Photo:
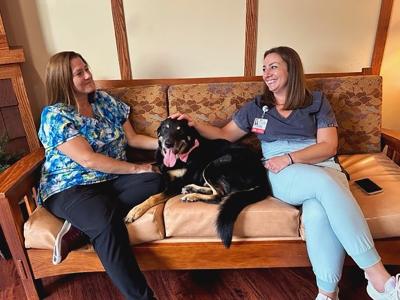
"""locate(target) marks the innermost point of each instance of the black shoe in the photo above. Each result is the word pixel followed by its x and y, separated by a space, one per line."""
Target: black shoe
pixel 69 238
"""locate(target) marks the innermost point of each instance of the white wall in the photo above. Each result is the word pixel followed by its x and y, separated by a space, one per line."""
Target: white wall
pixel 191 38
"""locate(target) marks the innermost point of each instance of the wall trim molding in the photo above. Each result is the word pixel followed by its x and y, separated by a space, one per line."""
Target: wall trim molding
pixel 381 36
pixel 121 38
pixel 250 45
pixel 116 83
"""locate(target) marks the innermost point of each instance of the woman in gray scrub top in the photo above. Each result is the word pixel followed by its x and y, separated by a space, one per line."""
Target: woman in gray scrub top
pixel 298 133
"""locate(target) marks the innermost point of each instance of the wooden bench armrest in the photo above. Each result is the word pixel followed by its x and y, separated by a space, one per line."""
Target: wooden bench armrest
pixel 17 184
pixel 17 174
pixel 391 139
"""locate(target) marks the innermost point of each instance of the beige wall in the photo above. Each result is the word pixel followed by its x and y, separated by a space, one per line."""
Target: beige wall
pixel 391 72
pixel 330 36
pixel 186 38
pixel 190 38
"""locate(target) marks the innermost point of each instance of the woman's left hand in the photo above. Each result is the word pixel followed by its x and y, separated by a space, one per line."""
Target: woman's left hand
pixel 277 163
pixel 145 168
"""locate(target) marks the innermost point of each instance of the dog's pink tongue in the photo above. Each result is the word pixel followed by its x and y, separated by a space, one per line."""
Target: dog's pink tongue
pixel 169 158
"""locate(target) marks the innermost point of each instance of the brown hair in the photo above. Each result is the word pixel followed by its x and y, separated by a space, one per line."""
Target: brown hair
pixel 297 93
pixel 58 78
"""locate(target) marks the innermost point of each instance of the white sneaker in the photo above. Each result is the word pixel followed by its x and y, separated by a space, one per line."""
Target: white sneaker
pixel 392 290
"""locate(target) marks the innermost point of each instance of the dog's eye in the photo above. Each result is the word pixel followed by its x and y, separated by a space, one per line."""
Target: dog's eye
pixel 167 125
pixel 178 128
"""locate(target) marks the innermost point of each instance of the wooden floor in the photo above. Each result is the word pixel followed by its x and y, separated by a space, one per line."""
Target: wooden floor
pixel 276 284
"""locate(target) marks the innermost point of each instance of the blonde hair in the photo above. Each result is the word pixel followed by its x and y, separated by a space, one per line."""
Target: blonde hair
pixel 58 78
pixel 297 93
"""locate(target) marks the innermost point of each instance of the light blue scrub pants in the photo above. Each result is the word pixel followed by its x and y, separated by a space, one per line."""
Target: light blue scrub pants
pixel 334 223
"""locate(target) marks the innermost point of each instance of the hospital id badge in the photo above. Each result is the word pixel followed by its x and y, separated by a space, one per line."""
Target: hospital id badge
pixel 259 125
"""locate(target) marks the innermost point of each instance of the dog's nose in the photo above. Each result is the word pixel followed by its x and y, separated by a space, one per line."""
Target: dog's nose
pixel 169 143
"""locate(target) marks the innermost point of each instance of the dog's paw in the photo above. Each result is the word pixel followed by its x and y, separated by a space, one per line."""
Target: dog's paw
pixel 135 213
pixel 190 198
pixel 187 189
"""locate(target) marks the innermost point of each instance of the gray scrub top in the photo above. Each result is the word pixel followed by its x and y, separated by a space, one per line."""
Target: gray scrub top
pixel 301 124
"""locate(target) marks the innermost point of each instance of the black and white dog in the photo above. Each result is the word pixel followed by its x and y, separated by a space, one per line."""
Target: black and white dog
pixel 213 171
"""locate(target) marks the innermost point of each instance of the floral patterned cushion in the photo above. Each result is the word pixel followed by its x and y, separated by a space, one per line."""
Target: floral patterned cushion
pixel 214 103
pixel 356 101
pixel 148 106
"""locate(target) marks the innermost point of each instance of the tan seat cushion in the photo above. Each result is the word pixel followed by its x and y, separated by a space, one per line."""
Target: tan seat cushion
pixel 42 227
pixel 382 211
pixel 267 218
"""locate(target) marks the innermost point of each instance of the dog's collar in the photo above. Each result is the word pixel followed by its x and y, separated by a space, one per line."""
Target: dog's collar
pixel 184 156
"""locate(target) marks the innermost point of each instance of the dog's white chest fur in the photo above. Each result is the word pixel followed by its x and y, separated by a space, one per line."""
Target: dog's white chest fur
pixel 176 173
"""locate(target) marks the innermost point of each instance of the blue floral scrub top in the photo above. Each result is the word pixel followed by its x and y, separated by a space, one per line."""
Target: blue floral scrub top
pixel 61 122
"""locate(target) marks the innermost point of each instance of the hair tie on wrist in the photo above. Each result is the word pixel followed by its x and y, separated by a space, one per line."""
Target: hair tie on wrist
pixel 291 159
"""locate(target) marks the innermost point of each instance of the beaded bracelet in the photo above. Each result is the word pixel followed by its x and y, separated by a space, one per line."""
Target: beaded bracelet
pixel 291 159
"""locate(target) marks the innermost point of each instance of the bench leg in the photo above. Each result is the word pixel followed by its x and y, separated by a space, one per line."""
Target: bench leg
pixel 31 286
pixel 15 240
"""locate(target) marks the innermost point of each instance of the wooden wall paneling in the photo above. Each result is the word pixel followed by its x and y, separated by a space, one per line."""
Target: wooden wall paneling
pixel 3 41
pixel 13 122
pixel 17 140
pixel 251 38
pixel 25 109
pixel 7 96
pixel 381 36
pixel 10 119
pixel 3 37
pixel 121 39
pixel 13 72
pixel 10 56
pixel 18 145
pixel 2 125
pixel 11 76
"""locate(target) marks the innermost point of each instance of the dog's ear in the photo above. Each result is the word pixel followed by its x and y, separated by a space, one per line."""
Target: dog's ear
pixel 159 128
pixel 183 123
pixel 193 132
pixel 189 129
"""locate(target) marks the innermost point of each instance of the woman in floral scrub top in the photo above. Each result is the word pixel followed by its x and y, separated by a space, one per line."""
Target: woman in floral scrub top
pixel 86 179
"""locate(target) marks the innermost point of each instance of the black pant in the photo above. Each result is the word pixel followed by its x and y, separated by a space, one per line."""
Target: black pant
pixel 98 211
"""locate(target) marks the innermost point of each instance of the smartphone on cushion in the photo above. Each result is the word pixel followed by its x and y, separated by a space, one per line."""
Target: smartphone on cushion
pixel 368 186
